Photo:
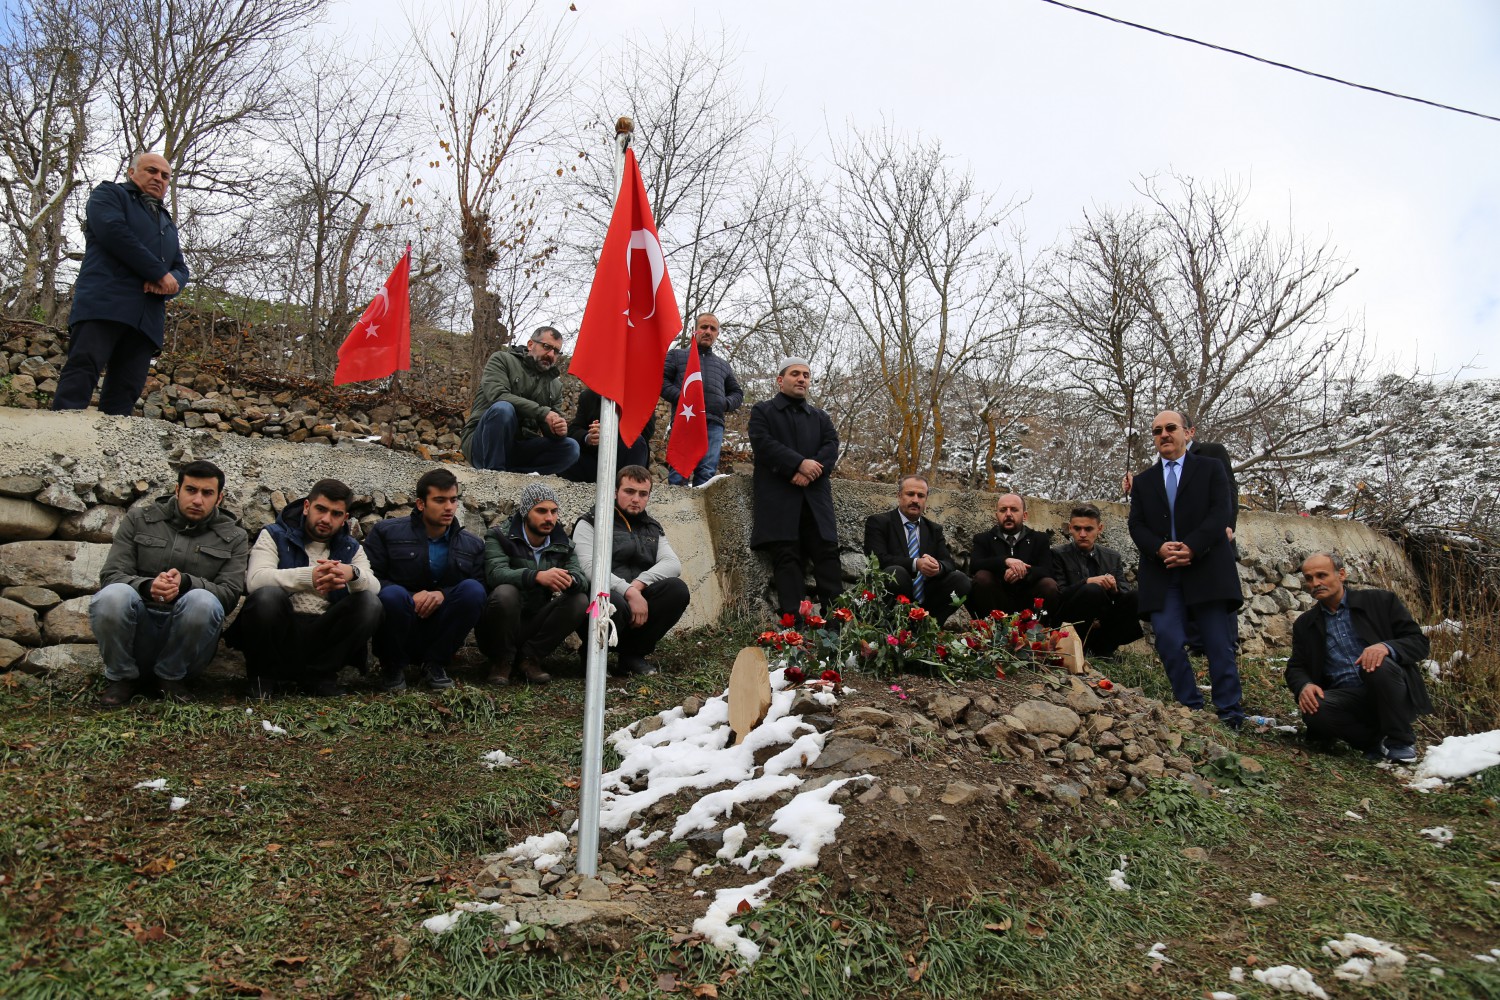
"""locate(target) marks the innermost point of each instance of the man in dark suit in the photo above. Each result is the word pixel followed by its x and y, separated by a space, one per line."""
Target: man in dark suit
pixel 1093 593
pixel 911 547
pixel 1354 664
pixel 795 448
pixel 1179 513
pixel 1011 564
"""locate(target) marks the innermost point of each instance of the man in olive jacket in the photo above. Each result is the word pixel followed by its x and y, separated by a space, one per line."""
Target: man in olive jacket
pixel 132 264
pixel 1354 668
pixel 514 425
pixel 538 591
pixel 176 567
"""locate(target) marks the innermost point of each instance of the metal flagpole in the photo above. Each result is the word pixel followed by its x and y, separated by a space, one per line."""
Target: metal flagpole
pixel 600 610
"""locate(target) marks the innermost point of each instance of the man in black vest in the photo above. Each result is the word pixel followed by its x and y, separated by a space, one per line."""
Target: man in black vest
pixel 795 448
pixel 313 599
pixel 1011 564
pixel 1355 664
pixel 645 583
pixel 1093 593
pixel 911 547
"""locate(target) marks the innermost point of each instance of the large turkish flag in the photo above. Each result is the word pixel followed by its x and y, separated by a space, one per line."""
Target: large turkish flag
pixel 380 342
pixel 631 316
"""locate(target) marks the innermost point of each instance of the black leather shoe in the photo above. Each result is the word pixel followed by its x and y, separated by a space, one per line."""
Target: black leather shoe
pixel 176 691
pixel 637 665
pixel 117 693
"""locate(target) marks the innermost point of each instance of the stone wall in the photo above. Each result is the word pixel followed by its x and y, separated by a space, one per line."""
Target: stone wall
pixel 66 480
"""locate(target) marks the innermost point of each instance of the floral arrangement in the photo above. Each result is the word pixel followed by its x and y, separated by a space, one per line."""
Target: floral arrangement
pixel 884 637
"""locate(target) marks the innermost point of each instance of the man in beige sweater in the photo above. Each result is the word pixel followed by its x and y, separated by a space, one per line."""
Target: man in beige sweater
pixel 312 603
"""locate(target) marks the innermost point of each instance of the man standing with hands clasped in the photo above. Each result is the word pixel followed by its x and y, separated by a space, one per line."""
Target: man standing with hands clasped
pixel 1179 510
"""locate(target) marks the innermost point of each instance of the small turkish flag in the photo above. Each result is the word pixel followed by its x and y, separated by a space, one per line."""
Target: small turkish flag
pixel 380 342
pixel 689 441
pixel 631 317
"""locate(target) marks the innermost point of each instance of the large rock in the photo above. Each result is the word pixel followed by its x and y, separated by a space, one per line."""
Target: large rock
pixel 68 663
pixel 69 568
pixel 1081 698
pixel 97 524
pixel 18 622
pixel 26 519
pixel 59 496
pixel 24 487
pixel 10 653
pixel 853 755
pixel 33 597
pixel 946 707
pixel 69 622
pixel 1045 717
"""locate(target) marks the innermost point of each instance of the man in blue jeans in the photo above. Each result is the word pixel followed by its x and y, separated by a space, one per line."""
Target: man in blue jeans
pixel 175 568
pixel 431 574
pixel 514 425
pixel 721 394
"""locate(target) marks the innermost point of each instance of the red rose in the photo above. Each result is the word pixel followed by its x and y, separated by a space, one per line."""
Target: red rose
pixel 942 652
pixel 917 613
pixel 1105 684
pixel 767 638
pixel 832 677
pixel 867 595
pixel 902 599
pixel 1037 604
pixel 997 615
pixel 805 608
pixel 815 621
pixel 794 675
pixel 788 620
pixel 792 638
pixel 971 642
pixel 843 614
pixel 999 674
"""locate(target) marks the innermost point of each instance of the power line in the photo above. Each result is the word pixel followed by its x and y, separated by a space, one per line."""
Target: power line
pixel 1270 62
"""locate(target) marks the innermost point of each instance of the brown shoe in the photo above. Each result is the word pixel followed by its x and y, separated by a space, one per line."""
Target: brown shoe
pixel 500 673
pixel 117 693
pixel 534 672
pixel 176 691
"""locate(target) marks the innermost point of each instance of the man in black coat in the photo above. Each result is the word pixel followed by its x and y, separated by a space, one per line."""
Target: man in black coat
pixel 1093 593
pixel 132 264
pixel 1354 668
pixel 911 546
pixel 1179 513
pixel 721 394
pixel 584 428
pixel 1011 564
pixel 795 449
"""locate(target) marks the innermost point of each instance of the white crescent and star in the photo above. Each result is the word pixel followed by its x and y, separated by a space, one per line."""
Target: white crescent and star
pixel 644 239
pixel 382 301
pixel 687 411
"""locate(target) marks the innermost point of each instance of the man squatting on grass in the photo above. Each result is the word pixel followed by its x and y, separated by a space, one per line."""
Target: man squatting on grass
pixel 313 599
pixel 175 568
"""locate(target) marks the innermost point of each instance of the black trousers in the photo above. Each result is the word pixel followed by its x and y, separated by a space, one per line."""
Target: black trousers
pixel 666 600
pixel 281 644
pixel 937 591
pixel 504 636
pixel 1106 621
pixel 991 592
pixel 122 352
pixel 788 561
pixel 1360 715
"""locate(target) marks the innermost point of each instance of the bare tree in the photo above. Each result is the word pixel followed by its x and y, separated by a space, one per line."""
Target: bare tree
pixel 500 74
pixel 50 64
pixel 701 139
pixel 910 250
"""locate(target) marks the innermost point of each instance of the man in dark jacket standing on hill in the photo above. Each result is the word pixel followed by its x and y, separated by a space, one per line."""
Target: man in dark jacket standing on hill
pixel 431 574
pixel 175 568
pixel 721 395
pixel 539 592
pixel 1354 668
pixel 645 584
pixel 132 264
pixel 514 424
pixel 795 448
pixel 313 596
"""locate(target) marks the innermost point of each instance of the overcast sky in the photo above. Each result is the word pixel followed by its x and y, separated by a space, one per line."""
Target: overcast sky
pixel 1068 110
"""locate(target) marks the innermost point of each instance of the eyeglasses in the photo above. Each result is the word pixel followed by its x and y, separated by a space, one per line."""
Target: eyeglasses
pixel 1157 432
pixel 549 348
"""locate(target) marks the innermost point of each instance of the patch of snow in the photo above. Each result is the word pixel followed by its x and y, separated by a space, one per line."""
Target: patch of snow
pixel 704 813
pixel 716 928
pixel 637 841
pixel 1156 954
pixel 1487 958
pixel 177 803
pixel 497 758
pixel 1236 975
pixel 734 839
pixel 1350 814
pixel 1261 901
pixel 272 728
pixel 1384 963
pixel 1425 785
pixel 1440 834
pixel 1433 668
pixel 1445 627
pixel 1223 995
pixel 1117 877
pixel 442 923
pixel 155 784
pixel 543 850
pixel 1460 756
pixel 1290 979
pixel 1285 729
pixel 703 870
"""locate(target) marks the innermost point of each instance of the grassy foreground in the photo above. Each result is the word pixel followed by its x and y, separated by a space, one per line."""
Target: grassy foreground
pixel 302 864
